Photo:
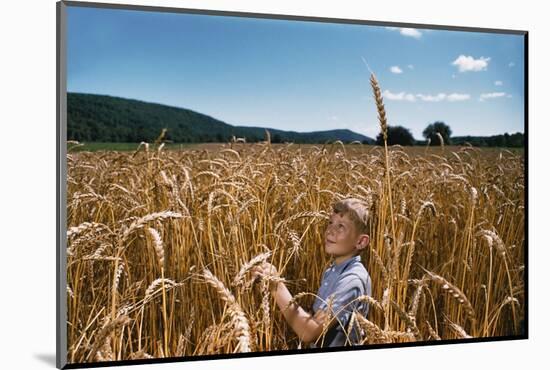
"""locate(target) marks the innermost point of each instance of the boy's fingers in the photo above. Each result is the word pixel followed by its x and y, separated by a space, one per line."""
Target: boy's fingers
pixel 257 271
pixel 268 268
pixel 264 269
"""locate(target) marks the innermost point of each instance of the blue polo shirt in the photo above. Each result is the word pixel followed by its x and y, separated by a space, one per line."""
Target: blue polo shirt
pixel 345 281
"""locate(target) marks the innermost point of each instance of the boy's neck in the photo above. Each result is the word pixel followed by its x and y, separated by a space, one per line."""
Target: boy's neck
pixel 338 260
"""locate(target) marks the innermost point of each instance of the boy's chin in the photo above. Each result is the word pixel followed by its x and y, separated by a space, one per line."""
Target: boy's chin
pixel 330 248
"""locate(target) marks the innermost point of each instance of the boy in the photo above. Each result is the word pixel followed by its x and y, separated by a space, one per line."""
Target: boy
pixel 345 279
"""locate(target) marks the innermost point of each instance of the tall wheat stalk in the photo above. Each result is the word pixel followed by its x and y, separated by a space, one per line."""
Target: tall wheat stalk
pixel 384 128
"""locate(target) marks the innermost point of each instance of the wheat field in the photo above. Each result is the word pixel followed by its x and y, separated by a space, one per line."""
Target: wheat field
pixel 160 244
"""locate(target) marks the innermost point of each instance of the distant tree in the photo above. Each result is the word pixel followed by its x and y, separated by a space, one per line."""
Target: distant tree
pixel 430 132
pixel 516 140
pixel 141 134
pixel 95 131
pixel 396 135
pixel 499 141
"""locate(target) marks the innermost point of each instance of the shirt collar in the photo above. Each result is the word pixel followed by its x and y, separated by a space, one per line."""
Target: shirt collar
pixel 342 265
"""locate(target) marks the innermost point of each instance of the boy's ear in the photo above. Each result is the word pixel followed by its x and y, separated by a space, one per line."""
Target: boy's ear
pixel 363 241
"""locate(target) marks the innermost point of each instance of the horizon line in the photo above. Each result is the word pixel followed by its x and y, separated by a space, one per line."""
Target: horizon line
pixel 273 128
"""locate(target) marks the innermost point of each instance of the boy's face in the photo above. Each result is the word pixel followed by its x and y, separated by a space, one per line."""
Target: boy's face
pixel 341 237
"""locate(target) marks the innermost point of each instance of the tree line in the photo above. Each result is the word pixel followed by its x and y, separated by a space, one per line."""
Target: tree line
pixel 438 132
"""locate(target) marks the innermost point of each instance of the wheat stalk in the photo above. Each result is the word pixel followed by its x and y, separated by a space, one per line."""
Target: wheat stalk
pixel 259 259
pixel 454 291
pixel 140 223
pixel 238 317
pixel 157 244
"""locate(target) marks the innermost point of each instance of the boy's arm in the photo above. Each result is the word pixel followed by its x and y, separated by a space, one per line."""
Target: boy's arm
pixel 307 327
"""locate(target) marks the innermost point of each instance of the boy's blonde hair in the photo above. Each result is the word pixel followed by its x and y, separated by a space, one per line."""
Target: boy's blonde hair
pixel 357 210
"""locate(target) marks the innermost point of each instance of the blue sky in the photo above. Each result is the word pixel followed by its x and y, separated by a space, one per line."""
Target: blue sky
pixel 301 76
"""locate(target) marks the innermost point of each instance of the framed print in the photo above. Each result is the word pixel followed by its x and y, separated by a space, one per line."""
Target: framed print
pixel 239 184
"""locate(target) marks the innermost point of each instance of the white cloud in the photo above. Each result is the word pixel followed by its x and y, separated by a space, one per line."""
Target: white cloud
pixel 410 66
pixel 404 96
pixel 468 63
pixel 492 95
pixel 498 83
pixel 334 118
pixel 458 97
pixel 396 69
pixel 432 98
pixel 410 32
pixel 398 96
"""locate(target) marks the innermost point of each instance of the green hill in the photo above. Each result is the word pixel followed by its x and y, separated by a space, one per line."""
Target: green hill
pixel 103 118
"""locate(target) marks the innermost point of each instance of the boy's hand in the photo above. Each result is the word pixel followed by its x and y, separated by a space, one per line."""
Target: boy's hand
pixel 265 269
